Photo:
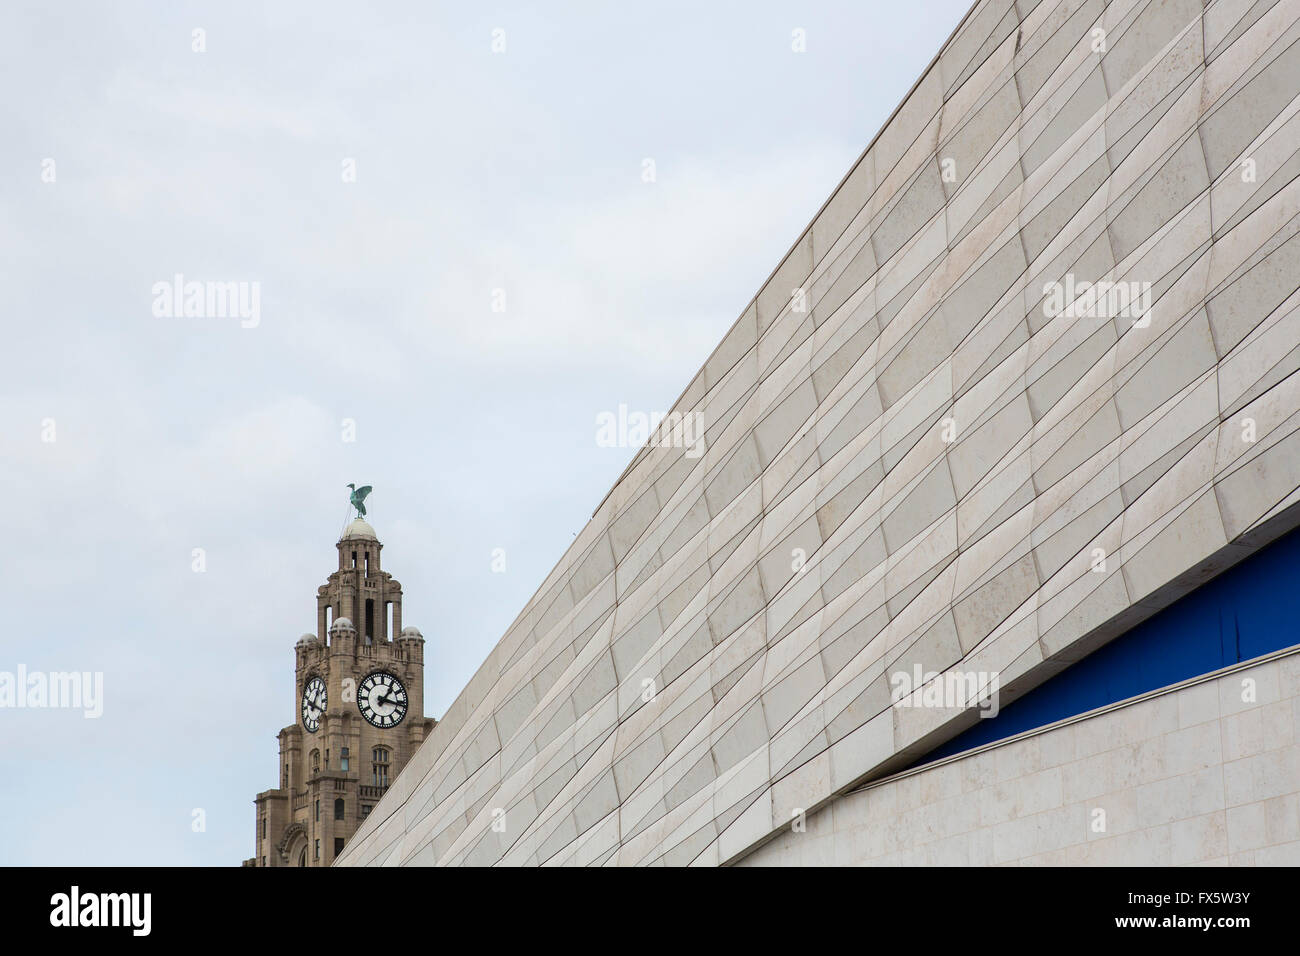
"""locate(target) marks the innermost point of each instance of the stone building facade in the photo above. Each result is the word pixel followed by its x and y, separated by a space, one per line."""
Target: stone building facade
pixel 1021 399
pixel 359 697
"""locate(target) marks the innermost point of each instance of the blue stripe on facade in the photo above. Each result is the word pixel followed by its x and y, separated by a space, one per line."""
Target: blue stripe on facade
pixel 1250 610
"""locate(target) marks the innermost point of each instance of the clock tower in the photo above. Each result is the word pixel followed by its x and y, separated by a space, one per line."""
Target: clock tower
pixel 359 701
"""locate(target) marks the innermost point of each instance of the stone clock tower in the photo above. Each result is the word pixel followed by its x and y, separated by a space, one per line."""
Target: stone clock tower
pixel 359 697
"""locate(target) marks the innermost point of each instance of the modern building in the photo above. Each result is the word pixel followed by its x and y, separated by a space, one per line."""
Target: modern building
pixel 359 697
pixel 986 555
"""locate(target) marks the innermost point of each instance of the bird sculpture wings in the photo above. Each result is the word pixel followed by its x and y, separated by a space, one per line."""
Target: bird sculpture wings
pixel 358 499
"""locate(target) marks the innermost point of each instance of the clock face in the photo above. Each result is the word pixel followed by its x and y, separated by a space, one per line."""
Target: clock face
pixel 313 704
pixel 382 700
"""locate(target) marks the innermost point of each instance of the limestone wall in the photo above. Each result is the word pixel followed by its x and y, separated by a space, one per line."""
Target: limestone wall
pixel 911 458
pixel 1205 774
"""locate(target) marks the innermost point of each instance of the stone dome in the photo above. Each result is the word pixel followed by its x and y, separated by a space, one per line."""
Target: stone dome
pixel 306 639
pixel 342 624
pixel 411 632
pixel 359 529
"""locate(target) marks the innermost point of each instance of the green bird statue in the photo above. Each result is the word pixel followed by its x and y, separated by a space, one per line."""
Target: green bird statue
pixel 358 498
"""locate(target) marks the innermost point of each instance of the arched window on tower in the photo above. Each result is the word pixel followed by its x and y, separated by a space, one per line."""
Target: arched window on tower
pixel 338 809
pixel 315 761
pixel 379 756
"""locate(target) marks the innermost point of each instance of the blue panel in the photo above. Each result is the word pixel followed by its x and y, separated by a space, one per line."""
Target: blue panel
pixel 1250 610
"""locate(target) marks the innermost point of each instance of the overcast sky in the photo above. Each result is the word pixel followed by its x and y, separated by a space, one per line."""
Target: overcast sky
pixel 128 439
